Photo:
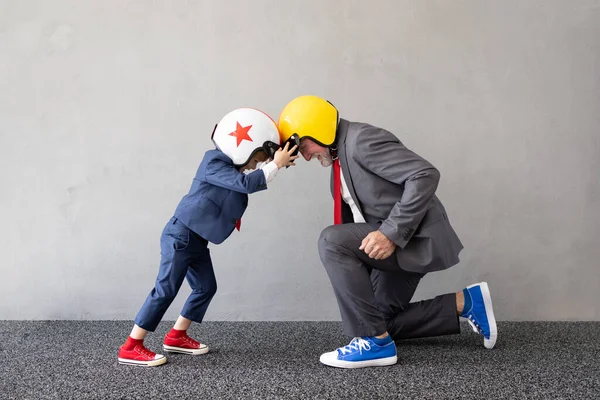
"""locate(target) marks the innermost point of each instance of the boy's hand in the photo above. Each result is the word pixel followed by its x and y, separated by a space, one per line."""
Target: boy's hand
pixel 284 158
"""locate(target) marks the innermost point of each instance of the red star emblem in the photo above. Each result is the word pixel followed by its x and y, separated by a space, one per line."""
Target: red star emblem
pixel 241 133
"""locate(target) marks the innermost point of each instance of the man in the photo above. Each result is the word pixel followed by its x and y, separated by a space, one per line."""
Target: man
pixel 390 230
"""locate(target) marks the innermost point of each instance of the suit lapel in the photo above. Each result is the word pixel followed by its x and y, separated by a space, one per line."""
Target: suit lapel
pixel 342 135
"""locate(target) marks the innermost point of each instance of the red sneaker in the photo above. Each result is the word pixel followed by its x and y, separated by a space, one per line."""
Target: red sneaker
pixel 141 356
pixel 183 344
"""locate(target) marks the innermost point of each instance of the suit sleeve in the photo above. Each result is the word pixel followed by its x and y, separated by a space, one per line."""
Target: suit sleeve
pixel 226 176
pixel 381 153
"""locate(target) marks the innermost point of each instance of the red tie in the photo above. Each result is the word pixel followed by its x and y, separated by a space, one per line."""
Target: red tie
pixel 337 196
pixel 238 224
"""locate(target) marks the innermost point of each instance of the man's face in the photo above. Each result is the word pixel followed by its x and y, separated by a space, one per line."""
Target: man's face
pixel 312 151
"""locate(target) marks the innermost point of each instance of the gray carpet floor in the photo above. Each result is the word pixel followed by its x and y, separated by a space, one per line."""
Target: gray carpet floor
pixel 261 360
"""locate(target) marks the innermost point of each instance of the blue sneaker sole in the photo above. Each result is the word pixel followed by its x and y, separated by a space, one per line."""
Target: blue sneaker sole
pixel 379 362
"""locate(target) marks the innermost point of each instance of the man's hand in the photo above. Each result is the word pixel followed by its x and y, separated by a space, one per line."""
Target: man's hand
pixel 377 246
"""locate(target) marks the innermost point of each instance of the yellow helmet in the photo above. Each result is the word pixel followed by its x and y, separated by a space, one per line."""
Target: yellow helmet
pixel 311 117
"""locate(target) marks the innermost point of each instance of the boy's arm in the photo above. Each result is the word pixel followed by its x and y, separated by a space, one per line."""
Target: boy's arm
pixel 226 176
pixel 282 158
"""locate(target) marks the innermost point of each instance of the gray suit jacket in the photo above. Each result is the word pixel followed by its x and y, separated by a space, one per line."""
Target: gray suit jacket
pixel 395 191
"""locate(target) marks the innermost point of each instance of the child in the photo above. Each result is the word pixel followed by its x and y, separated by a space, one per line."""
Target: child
pixel 208 213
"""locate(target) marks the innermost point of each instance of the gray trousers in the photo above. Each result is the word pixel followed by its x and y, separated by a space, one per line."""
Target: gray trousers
pixel 374 295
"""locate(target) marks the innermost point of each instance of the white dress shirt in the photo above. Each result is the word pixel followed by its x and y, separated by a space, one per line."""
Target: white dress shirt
pixel 350 201
pixel 270 170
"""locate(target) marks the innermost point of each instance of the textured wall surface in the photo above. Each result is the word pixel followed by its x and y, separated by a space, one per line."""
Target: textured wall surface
pixel 106 108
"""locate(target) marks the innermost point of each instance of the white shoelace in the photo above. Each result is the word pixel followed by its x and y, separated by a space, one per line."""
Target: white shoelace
pixel 474 326
pixel 357 343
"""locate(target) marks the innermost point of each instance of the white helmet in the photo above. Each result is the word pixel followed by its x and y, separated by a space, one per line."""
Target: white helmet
pixel 245 131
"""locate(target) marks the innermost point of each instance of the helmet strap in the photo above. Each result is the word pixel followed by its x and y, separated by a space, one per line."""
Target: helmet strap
pixel 333 151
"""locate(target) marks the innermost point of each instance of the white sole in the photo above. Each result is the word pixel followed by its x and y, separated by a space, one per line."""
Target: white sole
pixel 154 363
pixel 487 302
pixel 380 362
pixel 181 350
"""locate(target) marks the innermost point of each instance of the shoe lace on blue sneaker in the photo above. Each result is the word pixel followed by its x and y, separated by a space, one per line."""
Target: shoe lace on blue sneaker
pixel 474 325
pixel 357 344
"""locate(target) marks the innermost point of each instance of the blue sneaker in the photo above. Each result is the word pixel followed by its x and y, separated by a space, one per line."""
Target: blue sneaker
pixel 362 352
pixel 481 315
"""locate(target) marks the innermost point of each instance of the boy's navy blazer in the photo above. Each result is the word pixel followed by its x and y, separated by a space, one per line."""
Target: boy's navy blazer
pixel 218 197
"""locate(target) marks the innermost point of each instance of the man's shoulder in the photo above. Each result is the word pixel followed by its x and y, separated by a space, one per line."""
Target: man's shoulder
pixel 357 127
pixel 364 134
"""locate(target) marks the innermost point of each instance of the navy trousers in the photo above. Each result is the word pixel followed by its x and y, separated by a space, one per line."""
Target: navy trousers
pixel 184 254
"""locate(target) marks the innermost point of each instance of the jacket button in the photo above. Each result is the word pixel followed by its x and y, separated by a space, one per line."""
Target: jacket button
pixel 235 221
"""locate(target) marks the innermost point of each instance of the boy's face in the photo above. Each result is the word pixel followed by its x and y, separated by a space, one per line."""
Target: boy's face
pixel 259 157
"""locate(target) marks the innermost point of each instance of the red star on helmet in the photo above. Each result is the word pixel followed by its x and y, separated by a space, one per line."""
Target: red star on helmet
pixel 241 133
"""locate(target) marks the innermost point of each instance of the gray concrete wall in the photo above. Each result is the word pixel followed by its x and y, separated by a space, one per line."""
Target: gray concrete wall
pixel 106 108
